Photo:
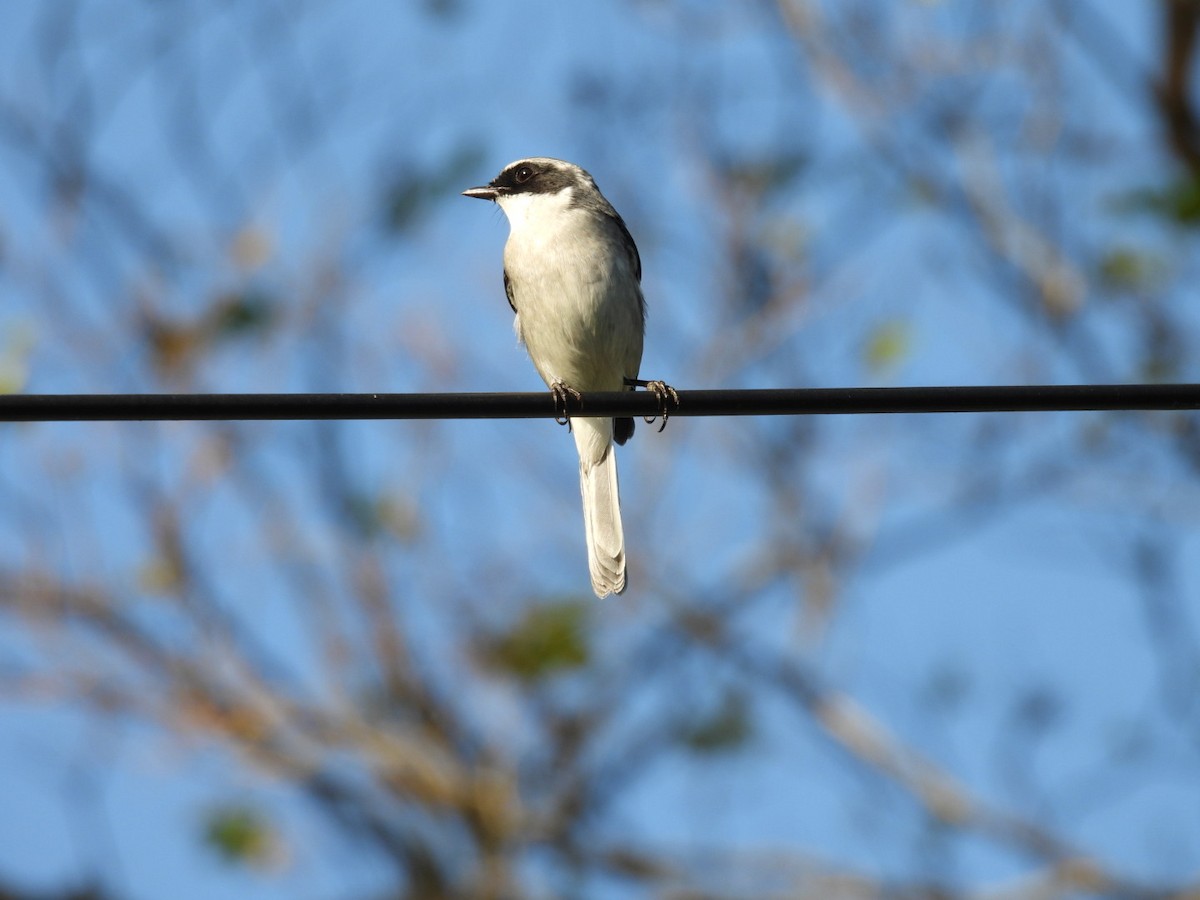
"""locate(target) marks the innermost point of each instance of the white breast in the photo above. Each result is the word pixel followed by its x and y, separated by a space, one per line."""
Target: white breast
pixel 577 298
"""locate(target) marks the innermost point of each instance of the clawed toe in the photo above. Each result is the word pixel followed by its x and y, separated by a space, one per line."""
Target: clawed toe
pixel 668 399
pixel 562 392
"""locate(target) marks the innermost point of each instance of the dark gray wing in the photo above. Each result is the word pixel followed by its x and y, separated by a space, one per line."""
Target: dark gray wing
pixel 508 291
pixel 630 246
pixel 634 257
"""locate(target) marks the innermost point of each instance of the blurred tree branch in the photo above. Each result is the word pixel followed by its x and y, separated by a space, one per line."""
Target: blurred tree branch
pixel 376 619
pixel 1175 89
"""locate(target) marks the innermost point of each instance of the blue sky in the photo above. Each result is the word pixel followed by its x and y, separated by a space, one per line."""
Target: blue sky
pixel 943 637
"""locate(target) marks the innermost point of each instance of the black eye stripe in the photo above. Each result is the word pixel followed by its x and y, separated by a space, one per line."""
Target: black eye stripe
pixel 534 178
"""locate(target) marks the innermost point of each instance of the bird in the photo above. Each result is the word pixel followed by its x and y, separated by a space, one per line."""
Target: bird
pixel 572 275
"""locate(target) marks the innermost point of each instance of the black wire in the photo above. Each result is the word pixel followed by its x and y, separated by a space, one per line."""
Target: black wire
pixel 784 402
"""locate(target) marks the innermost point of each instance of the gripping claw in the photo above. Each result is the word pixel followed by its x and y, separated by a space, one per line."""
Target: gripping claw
pixel 562 392
pixel 668 399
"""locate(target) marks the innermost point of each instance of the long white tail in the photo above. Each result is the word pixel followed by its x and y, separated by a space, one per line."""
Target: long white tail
pixel 601 505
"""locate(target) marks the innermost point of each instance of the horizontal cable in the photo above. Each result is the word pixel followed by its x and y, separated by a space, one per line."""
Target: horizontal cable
pixel 784 402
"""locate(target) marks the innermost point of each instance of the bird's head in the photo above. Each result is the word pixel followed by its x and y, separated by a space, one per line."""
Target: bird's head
pixel 534 184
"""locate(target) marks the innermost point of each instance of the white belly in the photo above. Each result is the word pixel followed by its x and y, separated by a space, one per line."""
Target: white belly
pixel 578 304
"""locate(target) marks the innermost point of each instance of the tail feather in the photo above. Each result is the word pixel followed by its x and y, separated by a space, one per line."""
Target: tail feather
pixel 602 513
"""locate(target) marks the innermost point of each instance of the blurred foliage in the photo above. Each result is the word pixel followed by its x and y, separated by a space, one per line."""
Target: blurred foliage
pixel 888 345
pixel 765 175
pixel 412 189
pixel 1164 350
pixel 17 342
pixel 241 313
pixel 1038 710
pixel 819 190
pixel 444 9
pixel 1177 203
pixel 376 516
pixel 724 729
pixel 1132 269
pixel 160 576
pixel 241 835
pixel 252 248
pixel 177 345
pixel 947 689
pixel 549 638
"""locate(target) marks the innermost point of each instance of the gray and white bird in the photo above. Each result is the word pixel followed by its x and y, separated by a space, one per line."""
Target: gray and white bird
pixel 573 277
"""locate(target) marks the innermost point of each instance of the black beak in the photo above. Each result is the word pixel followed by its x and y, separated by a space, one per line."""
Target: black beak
pixel 487 192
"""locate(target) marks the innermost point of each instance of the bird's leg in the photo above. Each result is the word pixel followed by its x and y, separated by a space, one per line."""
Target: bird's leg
pixel 561 391
pixel 668 398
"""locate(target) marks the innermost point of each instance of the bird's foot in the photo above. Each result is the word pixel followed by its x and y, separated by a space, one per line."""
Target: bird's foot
pixel 668 399
pixel 562 392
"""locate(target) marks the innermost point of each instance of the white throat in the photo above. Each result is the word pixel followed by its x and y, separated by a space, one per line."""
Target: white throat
pixel 538 212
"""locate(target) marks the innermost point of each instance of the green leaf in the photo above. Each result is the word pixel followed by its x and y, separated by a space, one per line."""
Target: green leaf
pixel 240 835
pixel 726 728
pixel 1130 269
pixel 887 345
pixel 242 313
pixel 1177 202
pixel 548 639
